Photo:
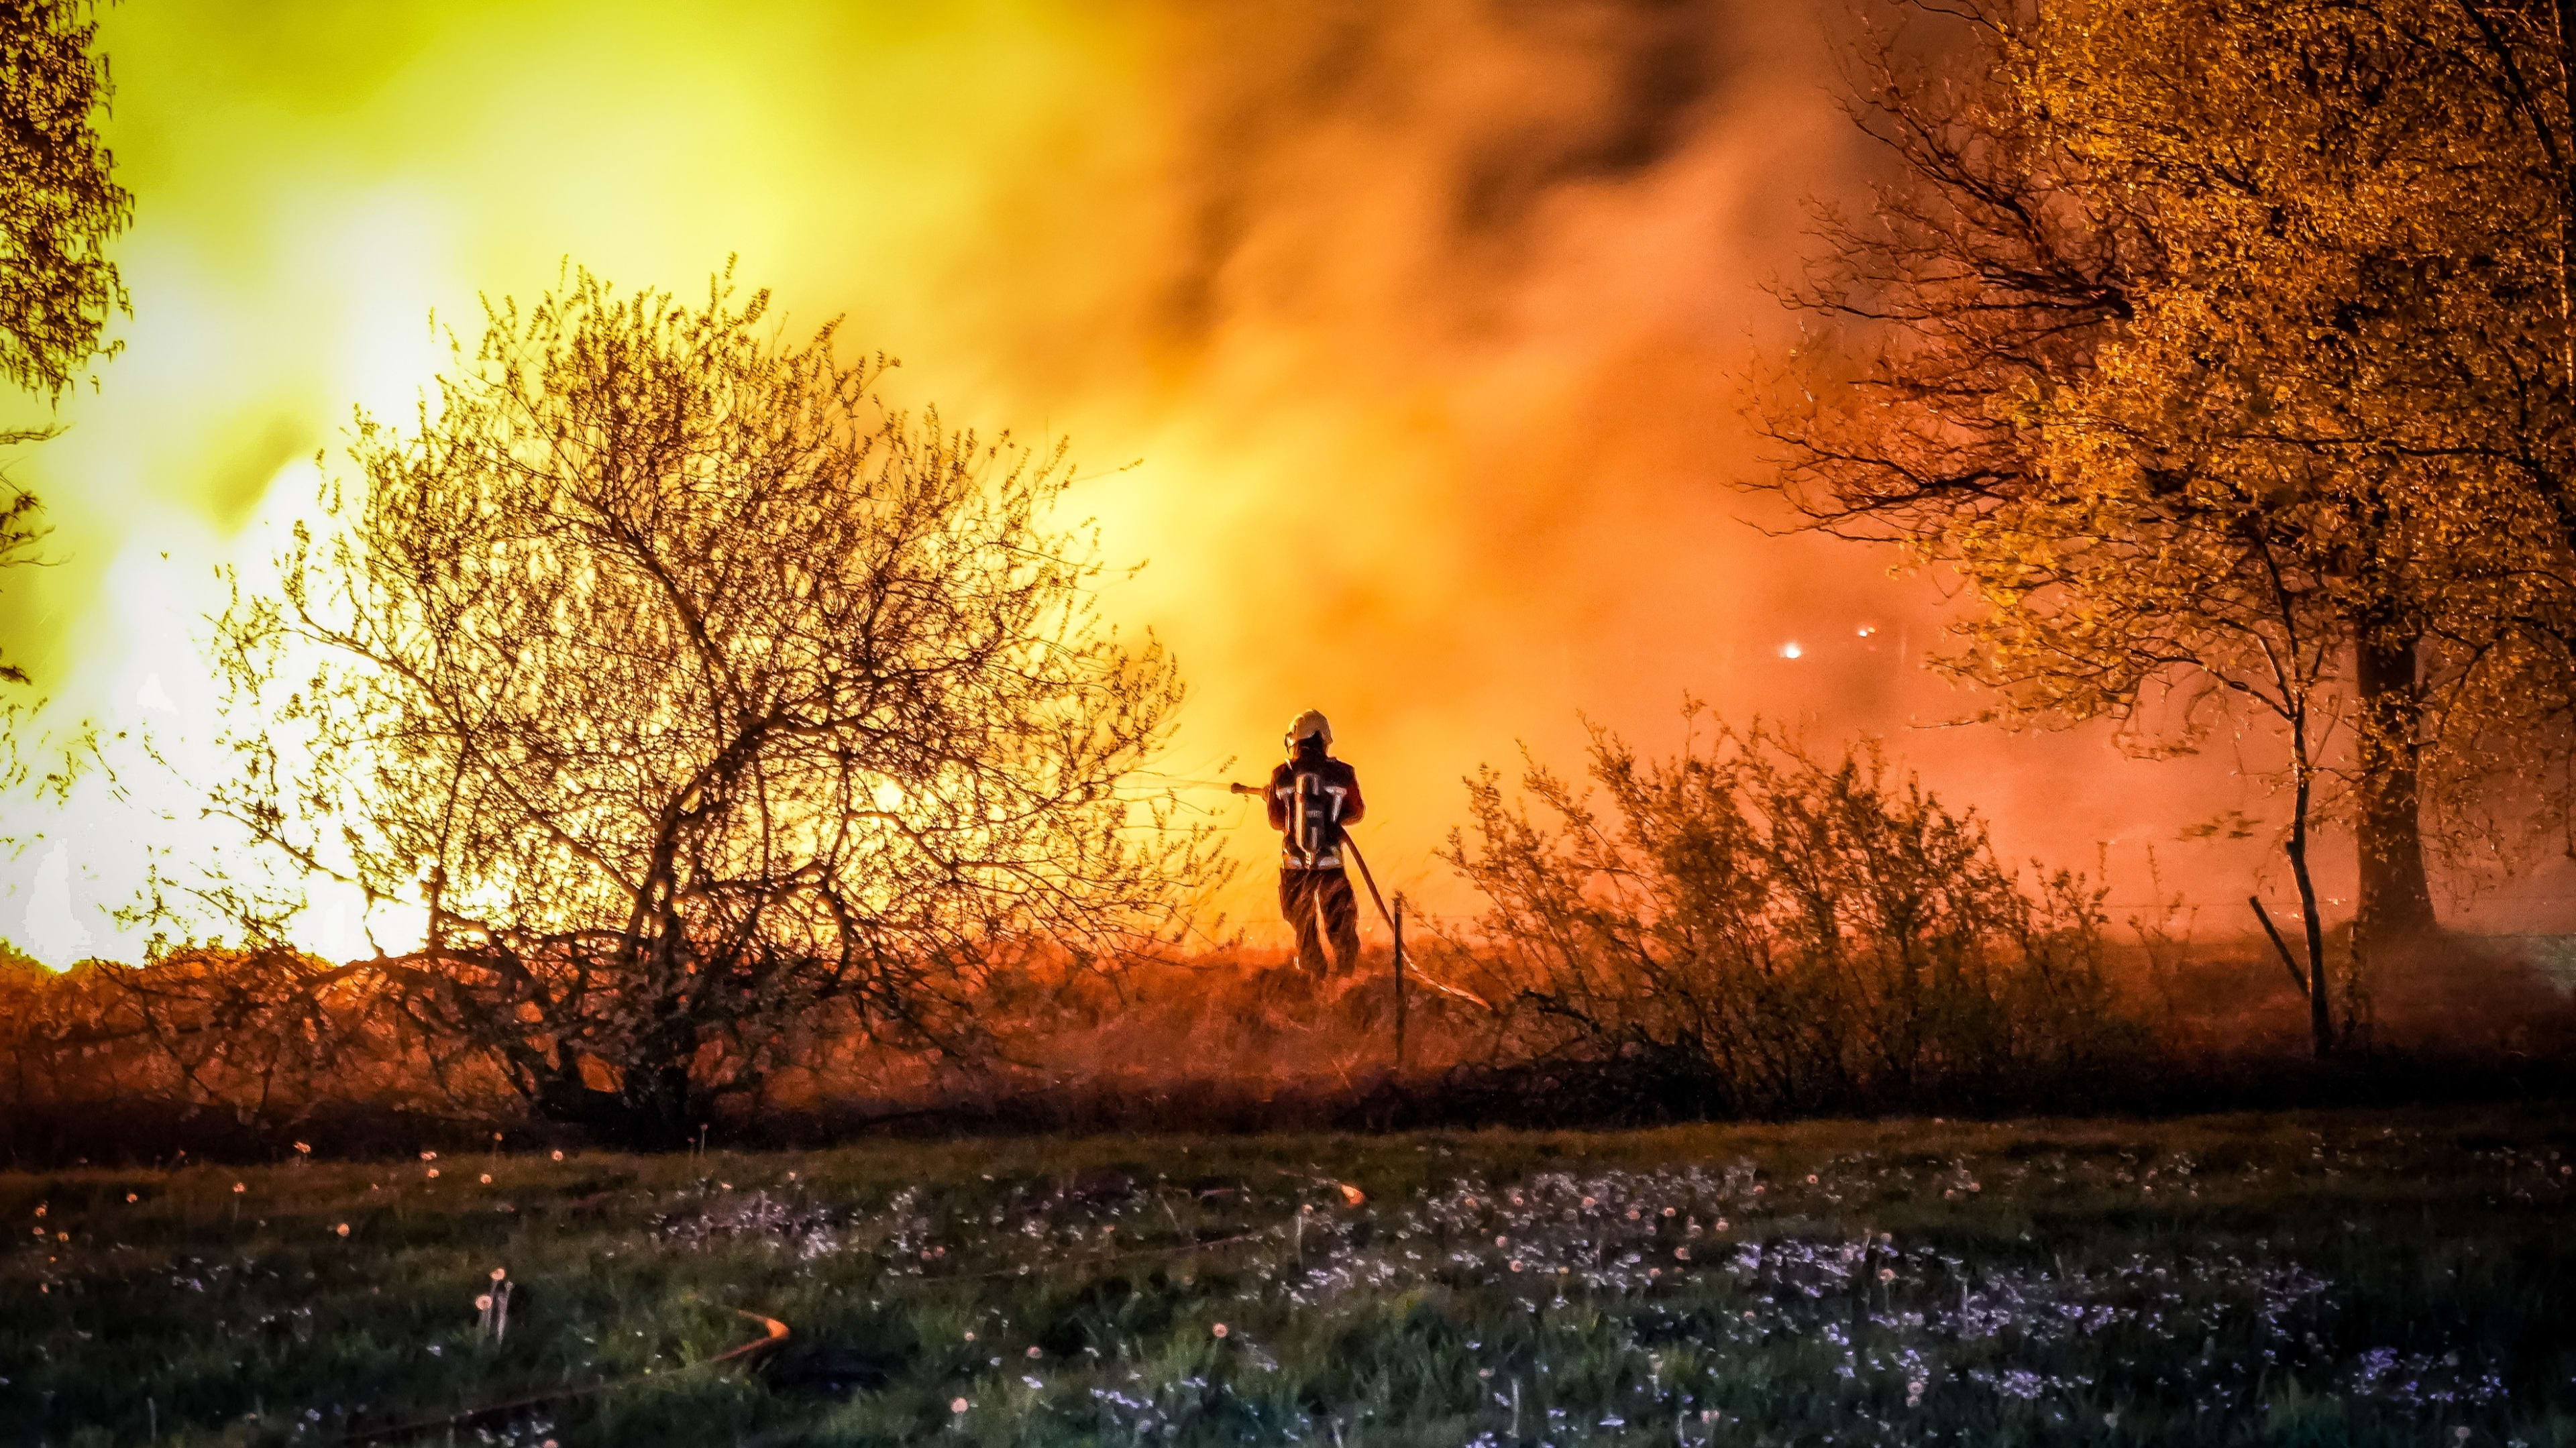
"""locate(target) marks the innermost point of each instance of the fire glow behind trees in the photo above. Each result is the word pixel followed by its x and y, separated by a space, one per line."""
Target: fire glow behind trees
pixel 1459 291
pixel 2222 349
pixel 696 692
pixel 1462 290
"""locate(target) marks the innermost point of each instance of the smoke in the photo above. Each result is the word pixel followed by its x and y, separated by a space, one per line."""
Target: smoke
pixel 1428 325
pixel 1404 344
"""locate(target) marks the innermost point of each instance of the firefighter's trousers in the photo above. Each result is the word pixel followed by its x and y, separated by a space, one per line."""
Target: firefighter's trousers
pixel 1319 903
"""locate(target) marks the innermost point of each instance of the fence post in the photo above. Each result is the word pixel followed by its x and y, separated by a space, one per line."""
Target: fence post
pixel 1399 982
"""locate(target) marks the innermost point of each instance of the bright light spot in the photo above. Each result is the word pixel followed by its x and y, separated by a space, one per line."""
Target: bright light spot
pixel 1790 650
pixel 1867 629
pixel 55 934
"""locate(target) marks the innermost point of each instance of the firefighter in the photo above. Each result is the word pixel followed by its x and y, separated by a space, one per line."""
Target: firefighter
pixel 1311 797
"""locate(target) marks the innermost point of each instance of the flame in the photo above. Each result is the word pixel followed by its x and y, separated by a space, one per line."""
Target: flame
pixel 1399 340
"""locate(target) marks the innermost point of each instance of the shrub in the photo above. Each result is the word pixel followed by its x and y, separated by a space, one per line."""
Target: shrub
pixel 1748 927
pixel 694 693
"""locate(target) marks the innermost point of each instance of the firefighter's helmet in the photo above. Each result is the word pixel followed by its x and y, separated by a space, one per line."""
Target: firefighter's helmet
pixel 1311 724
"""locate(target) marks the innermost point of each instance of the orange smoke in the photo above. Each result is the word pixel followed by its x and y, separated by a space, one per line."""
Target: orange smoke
pixel 1404 342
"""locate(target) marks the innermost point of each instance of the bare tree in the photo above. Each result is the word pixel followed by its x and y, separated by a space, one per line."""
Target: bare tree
pixel 19 534
pixel 59 206
pixel 60 203
pixel 690 689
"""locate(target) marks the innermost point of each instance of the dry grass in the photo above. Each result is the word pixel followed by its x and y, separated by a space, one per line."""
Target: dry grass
pixel 1243 1042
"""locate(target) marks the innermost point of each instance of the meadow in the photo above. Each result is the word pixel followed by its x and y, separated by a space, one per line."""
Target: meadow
pixel 2329 1277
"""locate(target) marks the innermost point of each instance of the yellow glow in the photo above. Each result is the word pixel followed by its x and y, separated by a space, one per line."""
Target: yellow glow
pixel 1426 389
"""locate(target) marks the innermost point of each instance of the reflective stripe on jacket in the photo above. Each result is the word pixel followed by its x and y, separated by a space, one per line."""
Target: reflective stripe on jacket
pixel 1311 797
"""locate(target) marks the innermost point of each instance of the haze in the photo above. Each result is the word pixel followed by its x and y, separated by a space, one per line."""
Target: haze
pixel 1404 344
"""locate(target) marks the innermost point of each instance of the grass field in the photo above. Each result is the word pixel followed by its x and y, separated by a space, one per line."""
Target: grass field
pixel 2396 1277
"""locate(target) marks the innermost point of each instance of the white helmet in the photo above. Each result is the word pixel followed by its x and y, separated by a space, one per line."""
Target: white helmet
pixel 1311 724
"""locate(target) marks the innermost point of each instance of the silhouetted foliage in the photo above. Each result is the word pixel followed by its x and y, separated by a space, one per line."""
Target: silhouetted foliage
pixel 2223 349
pixel 60 203
pixel 1750 928
pixel 691 690
pixel 19 532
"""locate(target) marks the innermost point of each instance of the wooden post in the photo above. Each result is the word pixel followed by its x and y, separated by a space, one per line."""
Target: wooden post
pixel 1399 983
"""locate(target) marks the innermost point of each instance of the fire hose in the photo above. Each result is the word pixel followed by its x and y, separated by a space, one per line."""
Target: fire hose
pixel 1394 929
pixel 773 1332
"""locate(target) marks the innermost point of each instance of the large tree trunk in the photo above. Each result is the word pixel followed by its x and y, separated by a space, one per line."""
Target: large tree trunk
pixel 2320 1012
pixel 2396 904
pixel 656 1108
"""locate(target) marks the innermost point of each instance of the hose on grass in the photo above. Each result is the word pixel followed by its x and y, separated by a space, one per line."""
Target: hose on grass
pixel 773 1333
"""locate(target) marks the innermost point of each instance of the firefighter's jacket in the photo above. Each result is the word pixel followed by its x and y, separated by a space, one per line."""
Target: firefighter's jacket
pixel 1311 797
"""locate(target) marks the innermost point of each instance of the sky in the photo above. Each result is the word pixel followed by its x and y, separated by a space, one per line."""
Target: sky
pixel 1404 345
